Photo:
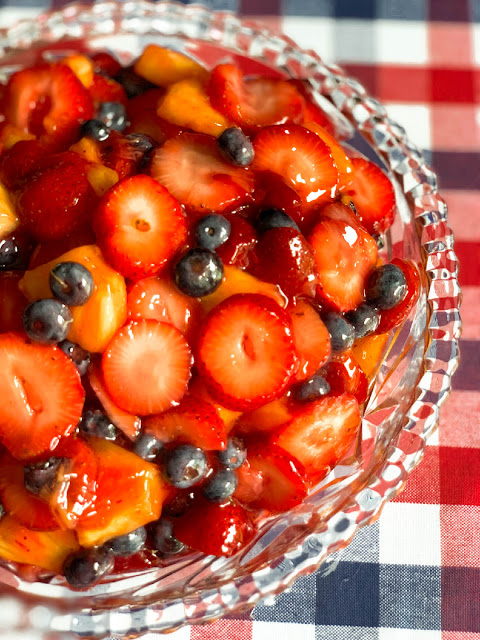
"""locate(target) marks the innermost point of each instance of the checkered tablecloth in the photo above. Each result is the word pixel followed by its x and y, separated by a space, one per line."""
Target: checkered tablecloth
pixel 415 574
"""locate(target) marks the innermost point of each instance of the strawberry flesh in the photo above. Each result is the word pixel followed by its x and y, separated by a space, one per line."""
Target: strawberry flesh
pixel 344 375
pixel 312 340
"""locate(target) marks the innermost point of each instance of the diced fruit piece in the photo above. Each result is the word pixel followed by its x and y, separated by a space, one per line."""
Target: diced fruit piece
pixel 254 101
pixel 125 154
pixel 285 258
pixel 198 273
pixel 342 161
pixel 391 318
pixel 88 149
pixel 94 323
pixel 273 479
pixel 128 423
pixel 8 216
pixel 19 161
pixel 300 157
pixel 57 199
pixel 215 529
pixel 82 67
pixel 344 375
pixel 184 466
pixel 105 89
pixel 266 418
pixel 273 193
pixel 143 118
pixel 373 195
pixel 139 227
pixel 44 549
pixel 236 147
pixel 342 211
pixel 13 302
pixel 165 66
pixel 312 112
pixel 311 337
pixel 191 167
pixel 130 493
pixel 193 421
pixel 238 248
pixel 101 178
pixel 10 135
pixel 48 101
pixel 105 63
pixel 146 367
pixel 27 508
pixel 321 433
pixel 42 396
pixel 198 389
pixel 368 352
pixel 345 255
pixel 186 105
pixel 237 281
pixel 246 352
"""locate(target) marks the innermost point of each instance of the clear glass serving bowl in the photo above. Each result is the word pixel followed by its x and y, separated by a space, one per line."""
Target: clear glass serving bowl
pixel 413 379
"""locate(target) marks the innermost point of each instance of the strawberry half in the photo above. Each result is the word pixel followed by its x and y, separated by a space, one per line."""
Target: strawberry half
pixel 391 318
pixel 255 101
pixel 246 352
pixel 42 396
pixel 19 161
pixel 214 529
pixel 372 194
pixel 345 254
pixel 194 421
pixel 238 249
pixel 146 367
pixel 345 375
pixel 139 226
pixel 312 340
pixel 104 89
pixel 121 154
pixel 321 433
pixel 191 167
pixel 48 101
pixel 300 157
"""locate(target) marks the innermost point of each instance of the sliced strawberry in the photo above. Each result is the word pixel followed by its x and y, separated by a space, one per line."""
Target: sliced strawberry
pixel 255 101
pixel 19 161
pixel 198 389
pixel 42 396
pixel 58 199
pixel 143 118
pixel 191 168
pixel 285 258
pixel 139 226
pixel 121 154
pixel 104 89
pixel 342 161
pixel 273 479
pixel 48 101
pixel 194 421
pixel 372 194
pixel 300 157
pixel 344 375
pixel 246 352
pixel 342 212
pixel 237 250
pixel 321 433
pixel 26 507
pixel 105 63
pixel 146 367
pixel 272 192
pixel 393 317
pixel 215 529
pixel 312 112
pixel 159 299
pixel 345 254
pixel 311 337
pixel 13 302
pixel 128 423
pixel 265 419
pixel 47 251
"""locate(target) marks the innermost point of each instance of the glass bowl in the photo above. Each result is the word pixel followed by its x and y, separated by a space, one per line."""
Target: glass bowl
pixel 412 382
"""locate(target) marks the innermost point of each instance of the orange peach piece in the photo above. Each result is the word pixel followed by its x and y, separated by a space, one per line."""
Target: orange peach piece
pixel 82 67
pixel 8 217
pixel 368 352
pixel 130 494
pixel 88 149
pixel 10 135
pixel 96 322
pixel 266 418
pixel 198 389
pixel 343 162
pixel 101 178
pixel 163 66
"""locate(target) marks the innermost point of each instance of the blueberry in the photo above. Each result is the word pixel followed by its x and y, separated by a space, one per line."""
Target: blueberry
pixel 311 389
pixel 163 539
pixel 234 455
pixel 147 446
pixel 273 218
pixel 71 283
pixel 386 287
pixel 212 231
pixel 184 466
pixel 179 504
pixel 47 321
pixel 113 114
pixel 87 566
pixel 94 129
pixel 96 423
pixel 140 142
pixel 133 84
pixel 128 544
pixel 220 485
pixel 199 272
pixel 2 510
pixel 41 477
pixel 8 253
pixel 364 319
pixel 236 147
pixel 342 334
pixel 380 240
pixel 79 356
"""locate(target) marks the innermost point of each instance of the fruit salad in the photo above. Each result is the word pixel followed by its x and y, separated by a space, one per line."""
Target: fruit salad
pixel 193 307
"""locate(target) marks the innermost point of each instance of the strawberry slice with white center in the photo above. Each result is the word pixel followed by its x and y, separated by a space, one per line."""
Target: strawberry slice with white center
pixel 345 254
pixel 139 226
pixel 254 101
pixel 191 167
pixel 146 367
pixel 301 157
pixel 42 396
pixel 372 194
pixel 246 353
pixel 312 340
pixel 321 433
